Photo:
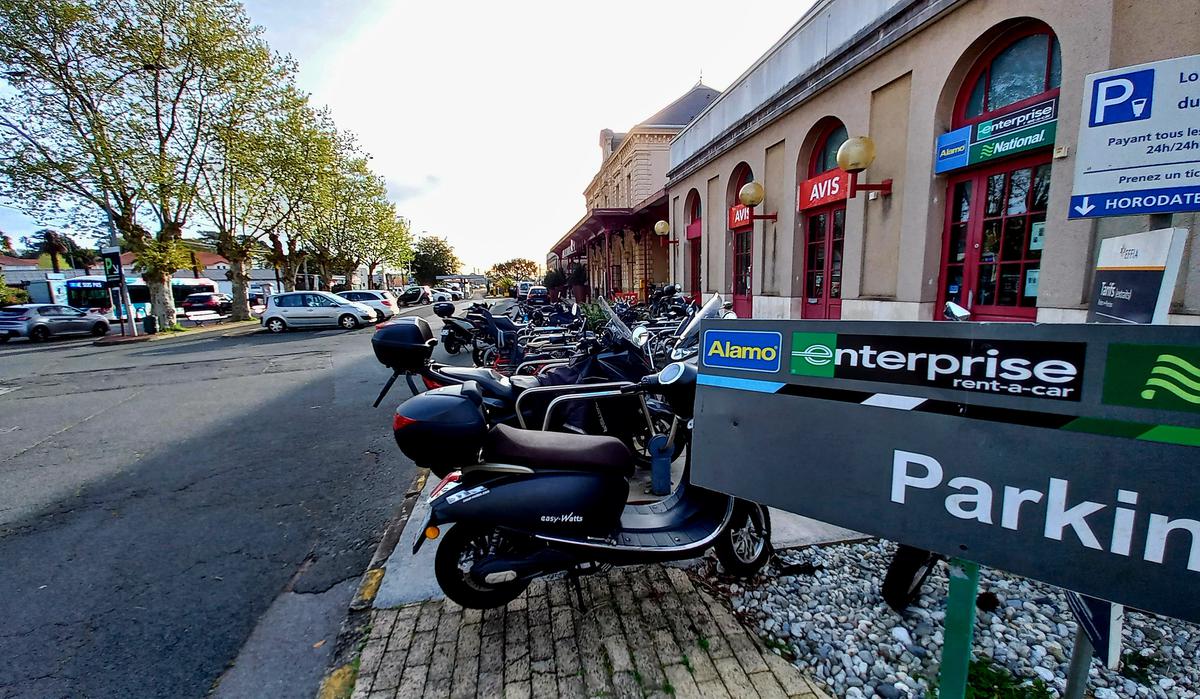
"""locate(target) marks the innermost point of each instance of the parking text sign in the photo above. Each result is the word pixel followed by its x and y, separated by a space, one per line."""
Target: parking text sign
pixel 1139 141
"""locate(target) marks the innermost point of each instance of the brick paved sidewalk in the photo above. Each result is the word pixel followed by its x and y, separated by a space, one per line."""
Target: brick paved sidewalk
pixel 647 632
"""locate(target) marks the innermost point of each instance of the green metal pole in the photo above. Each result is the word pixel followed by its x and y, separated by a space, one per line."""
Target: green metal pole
pixel 960 629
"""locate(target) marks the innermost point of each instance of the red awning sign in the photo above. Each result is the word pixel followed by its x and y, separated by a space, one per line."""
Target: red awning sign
pixel 739 217
pixel 693 230
pixel 825 188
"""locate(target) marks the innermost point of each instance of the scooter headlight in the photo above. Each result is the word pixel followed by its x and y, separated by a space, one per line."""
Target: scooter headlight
pixel 670 374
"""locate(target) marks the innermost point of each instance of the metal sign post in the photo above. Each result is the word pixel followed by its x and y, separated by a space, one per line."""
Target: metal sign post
pixel 115 277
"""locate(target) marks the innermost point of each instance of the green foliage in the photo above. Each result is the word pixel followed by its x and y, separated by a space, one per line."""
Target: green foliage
pixel 554 278
pixel 433 257
pixel 1140 668
pixel 10 296
pixel 577 276
pixel 987 680
pixel 596 319
pixel 518 269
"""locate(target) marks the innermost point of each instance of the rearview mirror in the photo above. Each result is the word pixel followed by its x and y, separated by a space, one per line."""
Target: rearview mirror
pixel 640 335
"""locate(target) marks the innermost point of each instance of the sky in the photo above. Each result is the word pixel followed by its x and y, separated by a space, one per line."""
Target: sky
pixel 484 117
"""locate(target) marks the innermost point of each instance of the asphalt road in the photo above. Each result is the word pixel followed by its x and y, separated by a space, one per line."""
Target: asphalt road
pixel 158 497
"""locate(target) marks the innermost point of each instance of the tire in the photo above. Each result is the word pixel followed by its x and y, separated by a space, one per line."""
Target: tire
pixel 909 569
pixel 348 322
pixel 460 546
pixel 40 333
pixel 745 545
pixel 452 345
pixel 99 330
pixel 276 325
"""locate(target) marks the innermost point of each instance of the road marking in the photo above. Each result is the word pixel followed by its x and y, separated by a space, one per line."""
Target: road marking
pixel 7 389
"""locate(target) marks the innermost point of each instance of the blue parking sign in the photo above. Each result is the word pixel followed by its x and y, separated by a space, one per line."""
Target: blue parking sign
pixel 1120 98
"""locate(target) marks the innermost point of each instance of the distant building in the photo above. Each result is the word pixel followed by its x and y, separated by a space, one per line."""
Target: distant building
pixel 616 239
pixel 16 264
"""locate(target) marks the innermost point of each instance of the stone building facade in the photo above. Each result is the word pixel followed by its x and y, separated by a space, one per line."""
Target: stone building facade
pixel 615 239
pixel 994 235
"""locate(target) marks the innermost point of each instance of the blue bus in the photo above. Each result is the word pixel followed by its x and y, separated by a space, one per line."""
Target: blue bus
pixel 91 292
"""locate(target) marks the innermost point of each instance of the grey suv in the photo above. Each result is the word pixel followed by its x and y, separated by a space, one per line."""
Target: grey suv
pixel 307 309
pixel 41 321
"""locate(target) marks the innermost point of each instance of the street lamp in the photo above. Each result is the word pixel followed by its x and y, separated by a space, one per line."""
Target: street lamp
pixel 856 155
pixel 751 195
pixel 662 229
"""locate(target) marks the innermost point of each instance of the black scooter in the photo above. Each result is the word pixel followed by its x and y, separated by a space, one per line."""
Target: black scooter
pixel 540 503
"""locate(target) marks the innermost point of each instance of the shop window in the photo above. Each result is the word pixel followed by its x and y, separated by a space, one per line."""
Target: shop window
pixel 825 158
pixel 1024 68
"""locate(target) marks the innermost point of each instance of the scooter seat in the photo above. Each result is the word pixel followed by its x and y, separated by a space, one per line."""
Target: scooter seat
pixel 557 451
pixel 491 382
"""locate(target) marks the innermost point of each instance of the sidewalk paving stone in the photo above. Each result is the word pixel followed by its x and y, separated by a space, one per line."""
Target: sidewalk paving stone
pixel 646 632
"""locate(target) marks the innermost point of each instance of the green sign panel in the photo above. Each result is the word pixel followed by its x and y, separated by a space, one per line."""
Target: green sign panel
pixel 813 354
pixel 1023 140
pixel 1165 377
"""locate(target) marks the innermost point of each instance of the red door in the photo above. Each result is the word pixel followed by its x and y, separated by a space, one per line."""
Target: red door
pixel 992 248
pixel 825 237
pixel 694 248
pixel 743 305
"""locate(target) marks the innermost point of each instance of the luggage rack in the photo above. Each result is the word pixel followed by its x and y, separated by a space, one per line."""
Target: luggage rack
pixel 594 391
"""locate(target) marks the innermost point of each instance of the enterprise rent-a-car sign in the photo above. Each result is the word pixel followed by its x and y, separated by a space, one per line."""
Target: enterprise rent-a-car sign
pixel 1065 453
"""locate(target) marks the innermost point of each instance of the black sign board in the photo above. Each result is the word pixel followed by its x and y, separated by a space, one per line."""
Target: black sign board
pixel 1135 277
pixel 111 258
pixel 1029 448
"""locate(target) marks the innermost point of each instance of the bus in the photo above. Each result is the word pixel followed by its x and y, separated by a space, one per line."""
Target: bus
pixel 91 292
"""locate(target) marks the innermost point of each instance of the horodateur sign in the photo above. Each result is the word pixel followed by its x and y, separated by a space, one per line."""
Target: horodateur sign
pixel 1064 453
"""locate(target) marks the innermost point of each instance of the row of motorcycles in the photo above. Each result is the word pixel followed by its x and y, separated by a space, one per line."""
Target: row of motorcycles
pixel 537 446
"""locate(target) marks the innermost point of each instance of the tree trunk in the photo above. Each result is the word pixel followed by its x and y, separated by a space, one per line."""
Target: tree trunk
pixel 239 275
pixel 371 276
pixel 162 304
pixel 54 262
pixel 327 277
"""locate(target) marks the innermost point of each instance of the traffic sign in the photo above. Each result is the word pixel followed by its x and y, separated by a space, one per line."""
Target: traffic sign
pixel 112 266
pixel 1139 141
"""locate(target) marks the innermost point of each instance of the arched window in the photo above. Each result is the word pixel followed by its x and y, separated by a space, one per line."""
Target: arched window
pixel 1025 67
pixel 742 175
pixel 825 154
pixel 694 208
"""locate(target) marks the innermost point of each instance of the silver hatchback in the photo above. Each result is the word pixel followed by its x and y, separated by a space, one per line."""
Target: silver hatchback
pixel 41 321
pixel 307 309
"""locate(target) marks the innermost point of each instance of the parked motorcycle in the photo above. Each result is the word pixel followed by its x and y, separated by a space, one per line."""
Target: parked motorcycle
pixel 539 503
pixel 911 566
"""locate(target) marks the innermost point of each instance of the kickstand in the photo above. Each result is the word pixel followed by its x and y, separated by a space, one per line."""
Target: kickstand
pixel 574 576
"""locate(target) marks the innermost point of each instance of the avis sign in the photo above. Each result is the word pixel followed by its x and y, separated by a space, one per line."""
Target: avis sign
pixel 1063 453
pixel 825 188
pixel 1139 141
pixel 739 217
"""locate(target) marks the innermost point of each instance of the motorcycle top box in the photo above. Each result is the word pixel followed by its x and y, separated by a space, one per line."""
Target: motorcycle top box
pixel 442 429
pixel 404 344
pixel 443 309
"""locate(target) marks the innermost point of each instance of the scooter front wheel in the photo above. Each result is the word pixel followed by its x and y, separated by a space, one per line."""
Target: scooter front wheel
pixel 745 545
pixel 463 547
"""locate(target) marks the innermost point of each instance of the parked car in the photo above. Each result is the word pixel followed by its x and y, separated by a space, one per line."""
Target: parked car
pixel 41 321
pixel 538 294
pixel 384 302
pixel 523 289
pixel 307 309
pixel 441 293
pixel 221 304
pixel 416 294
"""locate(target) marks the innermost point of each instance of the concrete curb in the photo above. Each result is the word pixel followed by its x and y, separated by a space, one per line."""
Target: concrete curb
pixel 339 679
pixel 232 329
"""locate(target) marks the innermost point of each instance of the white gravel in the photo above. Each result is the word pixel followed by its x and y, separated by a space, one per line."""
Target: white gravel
pixel 843 634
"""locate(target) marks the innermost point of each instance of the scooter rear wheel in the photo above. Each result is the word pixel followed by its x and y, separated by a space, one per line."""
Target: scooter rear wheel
pixel 463 547
pixel 452 346
pixel 745 545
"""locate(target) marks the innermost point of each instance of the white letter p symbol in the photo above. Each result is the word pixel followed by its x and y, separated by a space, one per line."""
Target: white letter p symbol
pixel 1106 99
